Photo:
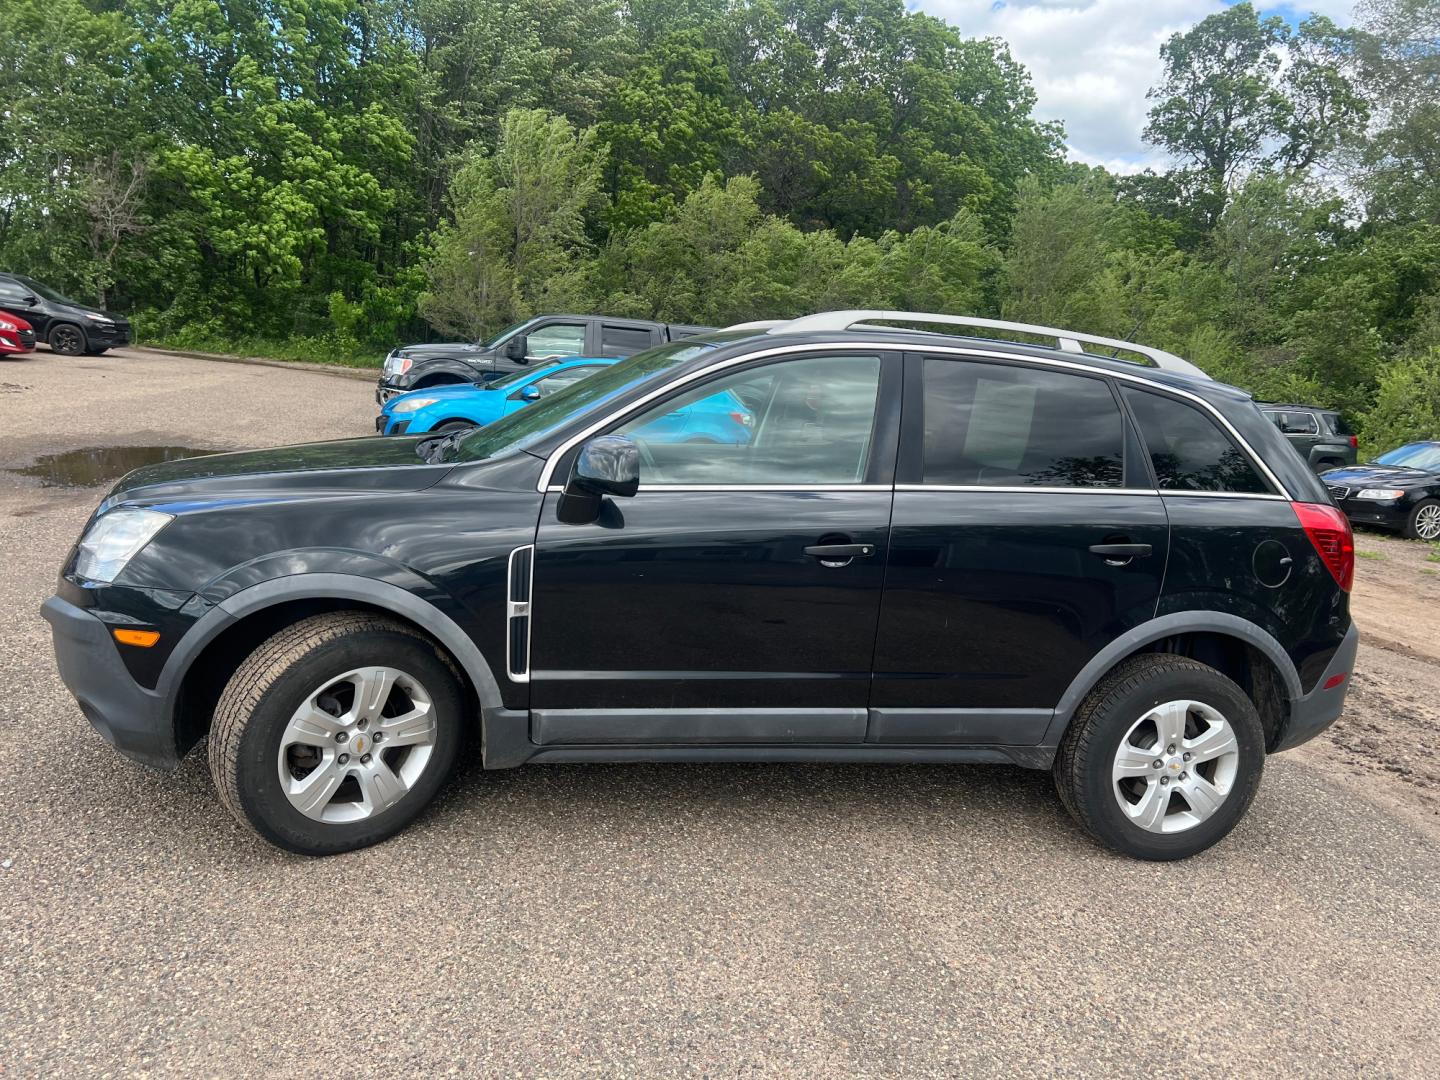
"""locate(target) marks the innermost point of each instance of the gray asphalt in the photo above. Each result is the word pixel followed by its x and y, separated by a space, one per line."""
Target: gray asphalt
pixel 646 921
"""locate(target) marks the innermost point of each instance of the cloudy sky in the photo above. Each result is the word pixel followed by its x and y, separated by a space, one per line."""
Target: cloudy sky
pixel 1093 60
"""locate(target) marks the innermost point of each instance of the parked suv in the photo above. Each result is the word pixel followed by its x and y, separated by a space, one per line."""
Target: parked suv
pixel 415 367
pixel 931 549
pixel 66 326
pixel 1322 436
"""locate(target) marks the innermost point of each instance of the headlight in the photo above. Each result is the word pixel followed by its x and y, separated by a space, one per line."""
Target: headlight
pixel 397 364
pixel 6 324
pixel 97 318
pixel 1380 493
pixel 411 404
pixel 114 540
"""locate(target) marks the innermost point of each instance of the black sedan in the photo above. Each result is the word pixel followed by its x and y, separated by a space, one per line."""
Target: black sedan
pixel 1399 490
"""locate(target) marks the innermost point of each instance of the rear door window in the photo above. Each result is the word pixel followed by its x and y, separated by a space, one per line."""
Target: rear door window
pixel 993 425
pixel 623 340
pixel 1188 450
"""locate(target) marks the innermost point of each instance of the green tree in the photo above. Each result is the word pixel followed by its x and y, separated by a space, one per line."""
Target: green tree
pixel 1407 403
pixel 1241 92
pixel 517 241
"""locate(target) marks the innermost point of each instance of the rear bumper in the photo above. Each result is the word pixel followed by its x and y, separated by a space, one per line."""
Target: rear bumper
pixel 1320 708
pixel 136 721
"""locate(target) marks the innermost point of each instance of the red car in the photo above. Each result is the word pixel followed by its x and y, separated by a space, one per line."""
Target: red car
pixel 16 335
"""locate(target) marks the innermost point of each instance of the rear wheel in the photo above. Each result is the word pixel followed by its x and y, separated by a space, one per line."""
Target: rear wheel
pixel 336 732
pixel 1162 759
pixel 1424 521
pixel 67 339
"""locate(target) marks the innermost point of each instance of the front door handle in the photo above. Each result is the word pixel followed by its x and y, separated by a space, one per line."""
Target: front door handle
pixel 839 554
pixel 1120 554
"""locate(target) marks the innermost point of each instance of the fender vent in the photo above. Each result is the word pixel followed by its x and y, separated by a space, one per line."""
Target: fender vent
pixel 520 576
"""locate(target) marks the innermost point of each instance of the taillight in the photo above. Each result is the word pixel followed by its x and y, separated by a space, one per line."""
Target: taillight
pixel 1329 531
pixel 1354 442
pixel 744 419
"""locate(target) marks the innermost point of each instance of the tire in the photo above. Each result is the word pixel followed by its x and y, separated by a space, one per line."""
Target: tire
pixel 449 427
pixel 303 664
pixel 1129 705
pixel 1424 521
pixel 67 339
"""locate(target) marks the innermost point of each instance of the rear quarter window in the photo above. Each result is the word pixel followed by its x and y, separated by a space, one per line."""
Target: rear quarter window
pixel 1188 450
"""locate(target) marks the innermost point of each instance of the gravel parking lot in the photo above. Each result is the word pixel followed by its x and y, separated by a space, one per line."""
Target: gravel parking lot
pixel 676 920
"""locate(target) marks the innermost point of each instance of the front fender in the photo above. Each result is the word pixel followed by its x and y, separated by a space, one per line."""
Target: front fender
pixel 424 610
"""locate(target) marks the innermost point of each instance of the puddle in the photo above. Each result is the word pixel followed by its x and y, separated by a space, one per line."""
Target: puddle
pixel 99 464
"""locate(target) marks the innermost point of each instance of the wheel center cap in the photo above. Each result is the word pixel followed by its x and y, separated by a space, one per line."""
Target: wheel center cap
pixel 359 744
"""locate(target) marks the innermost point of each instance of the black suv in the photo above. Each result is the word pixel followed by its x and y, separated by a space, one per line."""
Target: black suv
pixel 929 549
pixel 544 337
pixel 66 326
pixel 1322 436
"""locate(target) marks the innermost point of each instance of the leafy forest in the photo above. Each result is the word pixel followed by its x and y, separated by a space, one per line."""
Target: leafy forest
pixel 324 178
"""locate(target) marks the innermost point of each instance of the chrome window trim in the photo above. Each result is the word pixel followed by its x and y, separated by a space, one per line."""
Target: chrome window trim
pixel 871 349
pixel 1028 489
pixel 515 609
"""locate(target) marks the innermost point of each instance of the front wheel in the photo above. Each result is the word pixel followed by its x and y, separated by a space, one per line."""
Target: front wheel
pixel 335 733
pixel 67 340
pixel 1424 521
pixel 1162 759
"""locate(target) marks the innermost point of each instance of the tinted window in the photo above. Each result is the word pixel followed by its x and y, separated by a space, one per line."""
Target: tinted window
pixel 997 426
pixel 1294 423
pixel 11 290
pixel 800 422
pixel 1188 450
pixel 556 339
pixel 1338 424
pixel 623 340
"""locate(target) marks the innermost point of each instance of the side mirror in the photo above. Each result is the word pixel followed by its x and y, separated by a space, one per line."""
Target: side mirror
pixel 528 393
pixel 515 347
pixel 608 465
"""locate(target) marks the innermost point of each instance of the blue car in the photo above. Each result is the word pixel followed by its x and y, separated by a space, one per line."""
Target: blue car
pixel 720 418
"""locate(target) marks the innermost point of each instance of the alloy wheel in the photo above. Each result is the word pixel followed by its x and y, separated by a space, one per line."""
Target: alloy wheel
pixel 67 340
pixel 357 744
pixel 1427 522
pixel 1175 766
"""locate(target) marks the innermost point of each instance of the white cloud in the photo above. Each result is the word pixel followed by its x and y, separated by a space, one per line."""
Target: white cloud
pixel 1093 60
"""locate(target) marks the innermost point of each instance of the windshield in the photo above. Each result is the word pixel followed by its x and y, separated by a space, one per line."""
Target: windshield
pixel 527 426
pixel 48 293
pixel 503 334
pixel 1418 455
pixel 516 376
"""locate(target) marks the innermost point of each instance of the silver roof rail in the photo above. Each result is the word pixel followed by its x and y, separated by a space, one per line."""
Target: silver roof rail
pixel 758 324
pixel 1067 340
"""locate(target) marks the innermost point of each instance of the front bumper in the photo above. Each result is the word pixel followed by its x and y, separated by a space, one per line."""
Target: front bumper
pixel 1320 708
pixel 136 721
pixel 388 425
pixel 384 391
pixel 1387 515
pixel 109 336
pixel 16 341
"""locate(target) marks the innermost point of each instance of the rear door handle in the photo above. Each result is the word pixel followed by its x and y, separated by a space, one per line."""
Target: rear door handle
pixel 1118 554
pixel 839 554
